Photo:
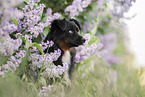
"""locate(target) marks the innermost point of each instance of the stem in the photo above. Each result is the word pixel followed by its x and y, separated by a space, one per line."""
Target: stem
pixel 41 68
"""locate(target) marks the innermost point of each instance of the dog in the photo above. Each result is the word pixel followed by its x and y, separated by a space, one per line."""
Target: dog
pixel 64 34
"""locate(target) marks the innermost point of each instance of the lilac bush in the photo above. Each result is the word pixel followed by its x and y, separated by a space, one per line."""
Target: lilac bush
pixel 27 22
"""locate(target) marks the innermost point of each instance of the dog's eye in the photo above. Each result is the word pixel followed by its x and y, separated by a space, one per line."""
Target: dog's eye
pixel 71 32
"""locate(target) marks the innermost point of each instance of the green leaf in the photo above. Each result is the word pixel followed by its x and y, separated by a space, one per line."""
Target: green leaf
pixel 38 47
pixel 27 1
pixel 105 4
pixel 45 30
pixel 95 19
pixel 15 22
pixel 94 40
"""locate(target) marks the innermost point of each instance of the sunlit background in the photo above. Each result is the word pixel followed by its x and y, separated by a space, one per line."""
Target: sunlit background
pixel 136 31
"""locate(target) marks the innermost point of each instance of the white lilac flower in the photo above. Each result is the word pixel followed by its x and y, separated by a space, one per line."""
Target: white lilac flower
pixel 12 63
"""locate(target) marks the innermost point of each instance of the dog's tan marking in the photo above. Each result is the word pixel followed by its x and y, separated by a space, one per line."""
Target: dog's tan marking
pixel 64 46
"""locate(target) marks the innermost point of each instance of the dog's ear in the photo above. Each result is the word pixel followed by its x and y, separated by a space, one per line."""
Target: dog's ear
pixel 59 23
pixel 62 24
pixel 76 22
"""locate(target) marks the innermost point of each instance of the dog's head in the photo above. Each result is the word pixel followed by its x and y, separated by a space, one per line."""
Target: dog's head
pixel 65 33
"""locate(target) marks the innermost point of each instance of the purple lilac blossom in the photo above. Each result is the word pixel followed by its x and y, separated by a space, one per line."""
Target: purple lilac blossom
pixel 120 7
pixel 109 44
pixel 82 52
pixel 109 41
pixel 37 59
pixel 12 63
pixel 49 70
pixel 87 26
pixel 51 17
pixel 9 27
pixel 54 71
pixel 7 12
pixel 31 17
pixel 9 45
pixel 100 3
pixel 46 45
pixel 32 14
pixel 9 3
pixel 76 7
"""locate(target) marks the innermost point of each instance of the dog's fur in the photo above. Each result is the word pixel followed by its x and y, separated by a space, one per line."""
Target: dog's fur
pixel 64 34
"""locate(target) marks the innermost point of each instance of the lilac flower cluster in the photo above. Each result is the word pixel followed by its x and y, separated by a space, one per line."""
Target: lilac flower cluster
pixel 87 26
pixel 46 45
pixel 32 14
pixel 8 45
pixel 8 28
pixel 54 71
pixel 12 63
pixel 37 59
pixel 82 52
pixel 7 12
pixel 121 6
pixel 51 17
pixel 49 70
pixel 109 44
pixel 76 7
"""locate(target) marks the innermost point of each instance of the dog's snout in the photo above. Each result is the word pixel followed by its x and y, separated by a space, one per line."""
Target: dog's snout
pixel 83 40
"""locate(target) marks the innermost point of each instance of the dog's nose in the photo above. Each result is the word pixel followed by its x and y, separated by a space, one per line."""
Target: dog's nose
pixel 83 40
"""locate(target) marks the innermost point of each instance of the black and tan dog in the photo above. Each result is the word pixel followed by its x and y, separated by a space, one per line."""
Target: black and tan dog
pixel 64 34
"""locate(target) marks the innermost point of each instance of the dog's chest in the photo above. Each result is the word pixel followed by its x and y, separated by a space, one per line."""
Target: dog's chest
pixel 66 58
